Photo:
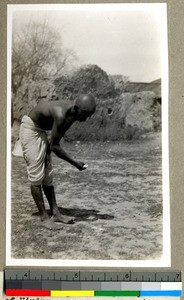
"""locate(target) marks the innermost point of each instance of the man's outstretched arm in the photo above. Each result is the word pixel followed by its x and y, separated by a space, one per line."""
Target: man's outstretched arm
pixel 56 136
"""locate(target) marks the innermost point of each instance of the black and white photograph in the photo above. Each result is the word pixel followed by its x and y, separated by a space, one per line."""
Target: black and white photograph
pixel 87 135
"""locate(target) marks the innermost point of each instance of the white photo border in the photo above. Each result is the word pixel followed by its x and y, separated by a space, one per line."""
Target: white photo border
pixel 165 260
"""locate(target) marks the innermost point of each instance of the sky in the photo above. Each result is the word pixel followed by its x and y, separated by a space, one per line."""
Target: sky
pixel 120 39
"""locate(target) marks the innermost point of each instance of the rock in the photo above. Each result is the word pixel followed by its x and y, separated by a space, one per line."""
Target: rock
pixel 139 113
pixel 30 94
pixel 118 116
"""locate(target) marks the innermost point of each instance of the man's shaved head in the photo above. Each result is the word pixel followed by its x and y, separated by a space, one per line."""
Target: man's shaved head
pixel 86 103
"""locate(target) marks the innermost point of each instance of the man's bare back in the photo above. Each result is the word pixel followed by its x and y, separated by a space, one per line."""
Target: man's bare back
pixel 45 112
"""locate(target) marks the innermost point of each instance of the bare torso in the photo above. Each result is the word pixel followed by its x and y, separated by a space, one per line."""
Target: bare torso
pixel 45 113
pixel 58 117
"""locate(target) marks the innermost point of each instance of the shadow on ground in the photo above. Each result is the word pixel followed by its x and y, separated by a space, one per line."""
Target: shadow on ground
pixel 88 215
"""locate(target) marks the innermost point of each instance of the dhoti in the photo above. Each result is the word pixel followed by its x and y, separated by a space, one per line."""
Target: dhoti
pixel 34 146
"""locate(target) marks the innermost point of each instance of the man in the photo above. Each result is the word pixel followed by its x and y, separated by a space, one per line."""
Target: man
pixel 57 117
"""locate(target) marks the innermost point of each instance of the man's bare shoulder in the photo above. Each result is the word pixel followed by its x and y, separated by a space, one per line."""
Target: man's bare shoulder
pixel 51 108
pixel 45 113
pixel 59 109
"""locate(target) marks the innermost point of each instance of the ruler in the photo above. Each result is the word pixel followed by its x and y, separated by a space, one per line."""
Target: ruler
pixel 55 283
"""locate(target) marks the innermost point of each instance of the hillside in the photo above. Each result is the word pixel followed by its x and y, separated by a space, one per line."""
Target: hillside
pixel 154 86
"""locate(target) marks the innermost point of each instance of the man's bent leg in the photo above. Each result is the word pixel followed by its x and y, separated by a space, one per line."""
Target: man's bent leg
pixel 56 215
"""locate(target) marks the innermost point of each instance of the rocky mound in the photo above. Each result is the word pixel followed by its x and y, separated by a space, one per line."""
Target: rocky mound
pixel 118 116
pixel 88 79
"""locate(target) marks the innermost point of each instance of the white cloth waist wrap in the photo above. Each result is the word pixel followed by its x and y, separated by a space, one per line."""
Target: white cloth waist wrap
pixel 34 146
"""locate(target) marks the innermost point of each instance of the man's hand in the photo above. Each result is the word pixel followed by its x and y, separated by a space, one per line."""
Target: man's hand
pixel 80 165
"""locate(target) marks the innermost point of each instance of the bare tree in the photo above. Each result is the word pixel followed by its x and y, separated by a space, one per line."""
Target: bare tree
pixel 37 53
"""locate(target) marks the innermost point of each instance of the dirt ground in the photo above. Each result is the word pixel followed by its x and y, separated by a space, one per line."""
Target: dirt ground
pixel 116 203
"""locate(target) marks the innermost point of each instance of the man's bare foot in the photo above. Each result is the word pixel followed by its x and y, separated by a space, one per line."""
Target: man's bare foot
pixel 44 216
pixel 49 224
pixel 62 219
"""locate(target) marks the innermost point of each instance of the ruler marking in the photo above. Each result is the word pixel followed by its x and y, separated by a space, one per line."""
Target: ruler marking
pixel 159 277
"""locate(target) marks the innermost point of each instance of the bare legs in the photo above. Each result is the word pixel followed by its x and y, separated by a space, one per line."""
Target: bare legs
pixel 36 192
pixel 56 216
